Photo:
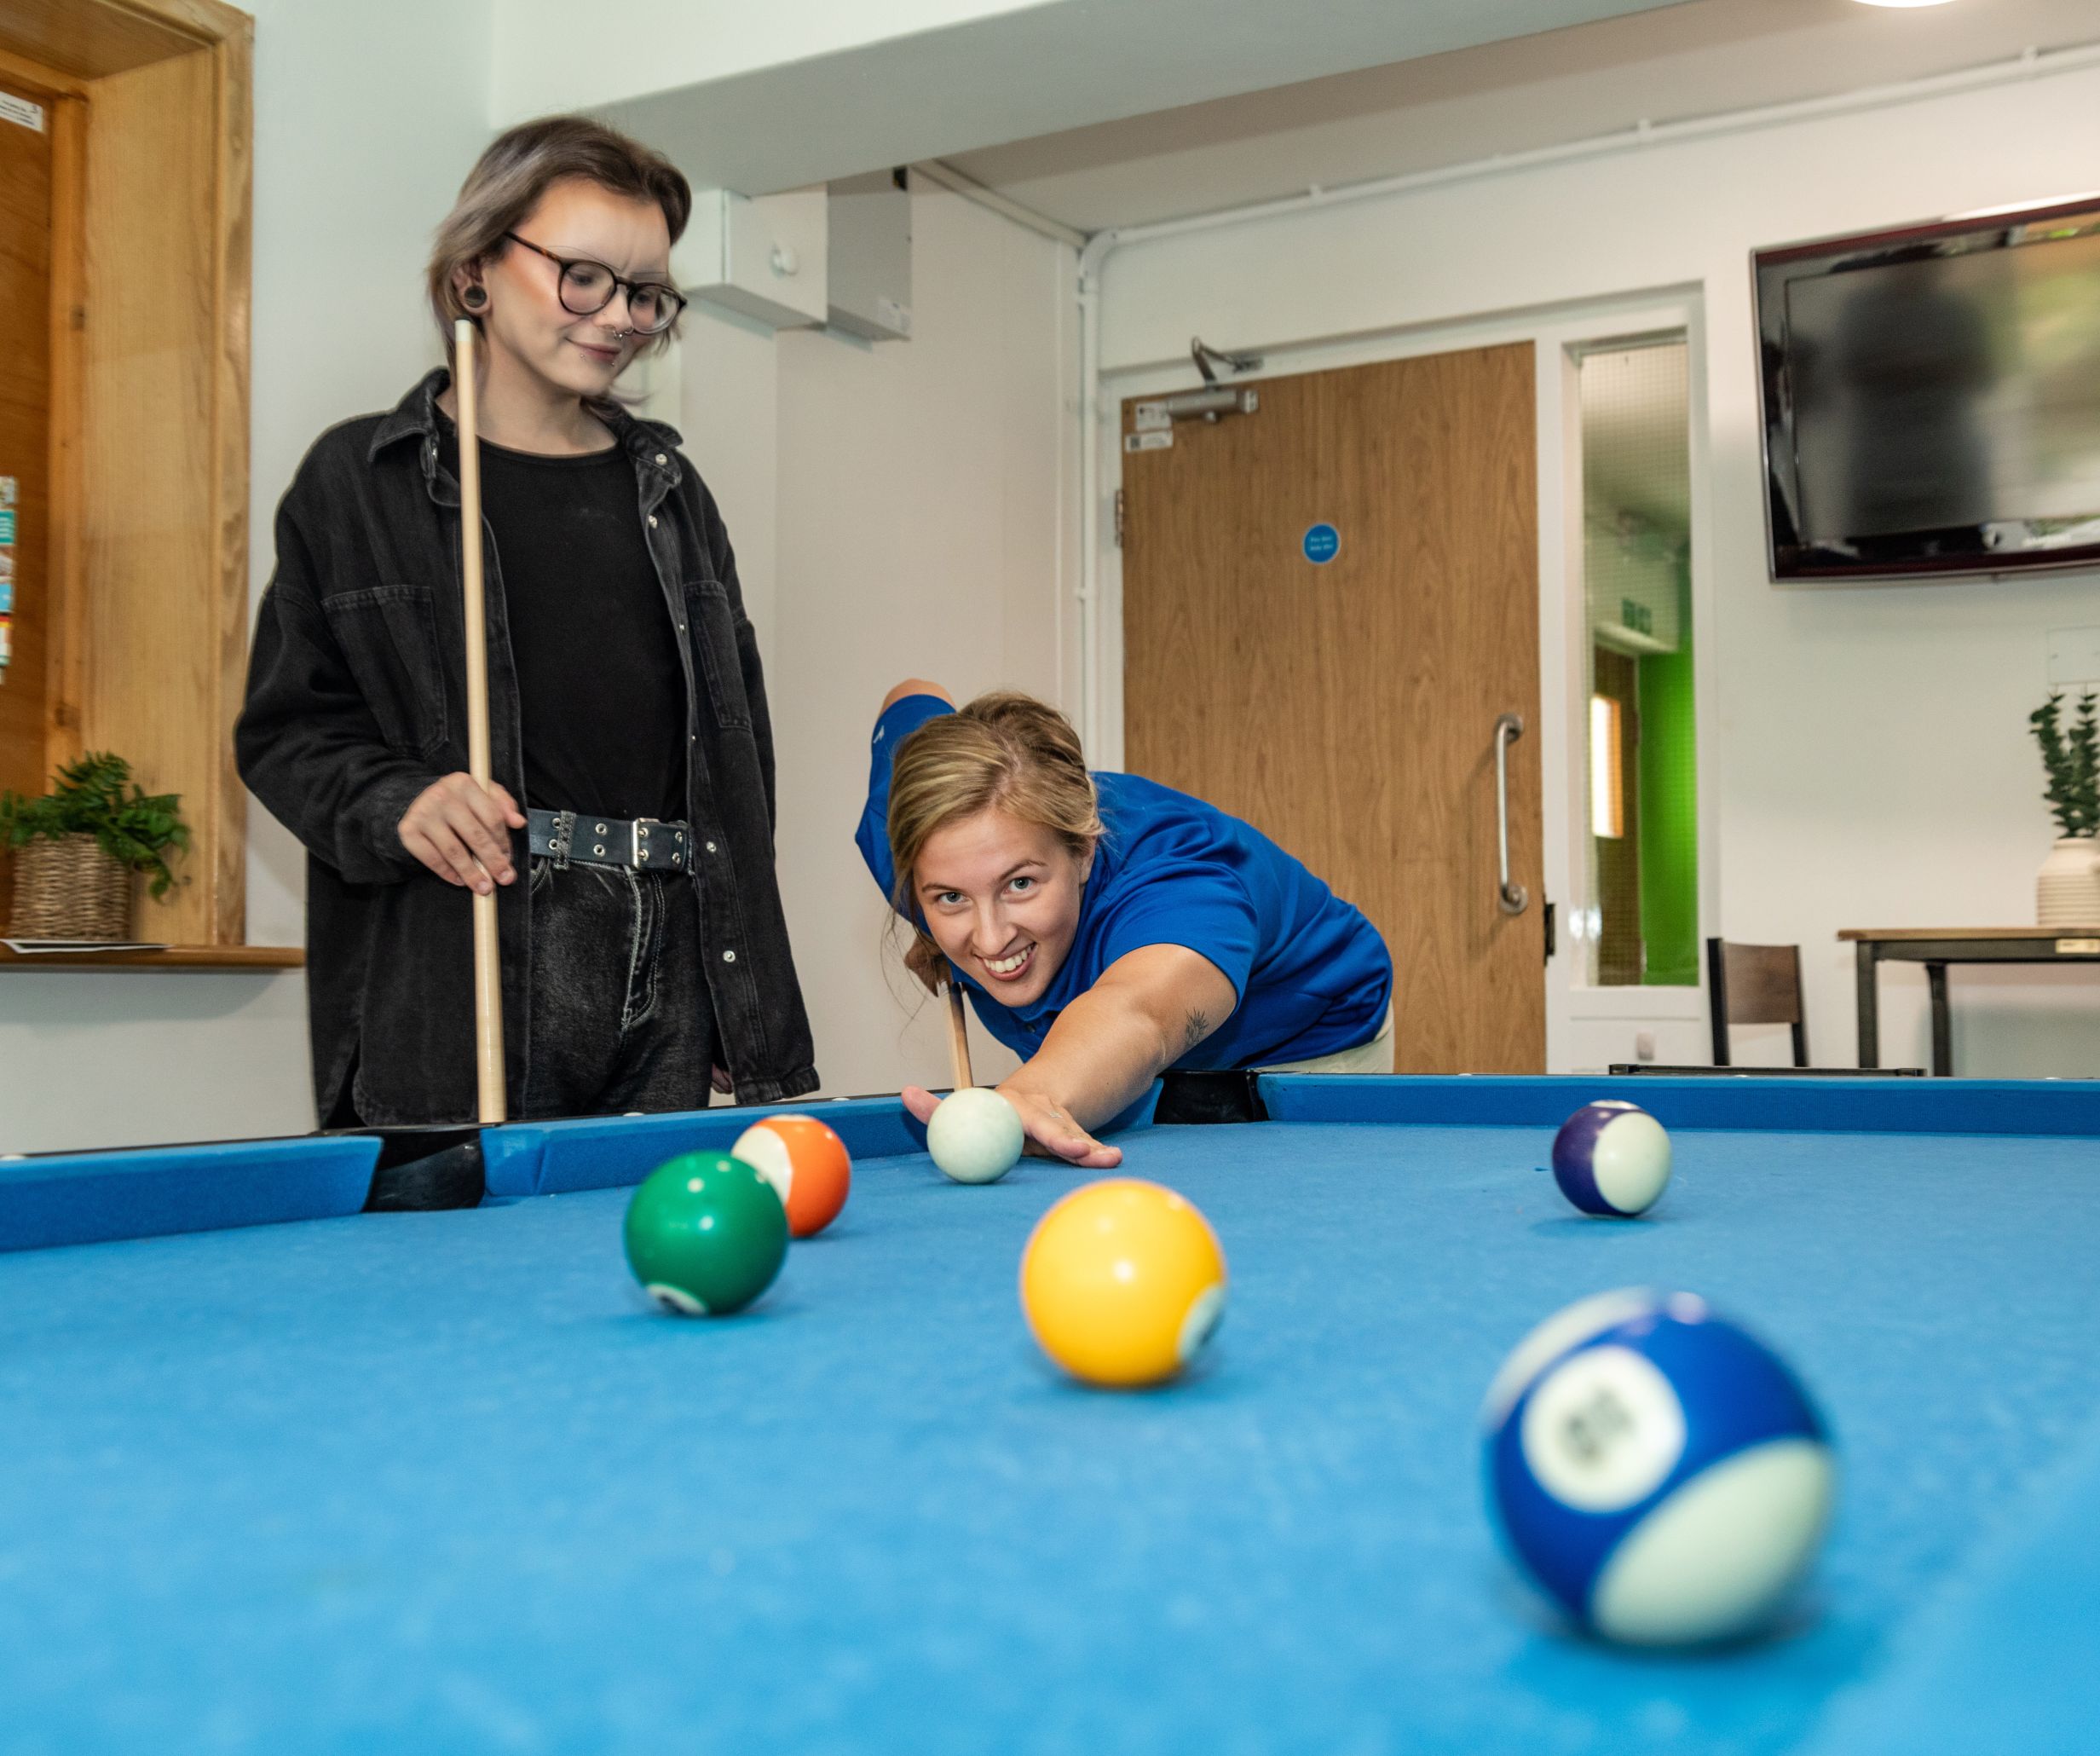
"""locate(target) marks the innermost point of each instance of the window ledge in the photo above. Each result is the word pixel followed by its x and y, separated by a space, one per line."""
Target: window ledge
pixel 173 957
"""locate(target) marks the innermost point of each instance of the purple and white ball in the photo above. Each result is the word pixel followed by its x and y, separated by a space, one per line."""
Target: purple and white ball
pixel 1658 1472
pixel 1612 1159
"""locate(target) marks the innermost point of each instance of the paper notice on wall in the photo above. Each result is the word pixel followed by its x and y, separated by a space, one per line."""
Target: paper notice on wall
pixel 7 575
pixel 21 111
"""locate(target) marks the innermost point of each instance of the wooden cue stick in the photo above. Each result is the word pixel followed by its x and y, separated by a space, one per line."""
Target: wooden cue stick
pixel 958 1035
pixel 487 961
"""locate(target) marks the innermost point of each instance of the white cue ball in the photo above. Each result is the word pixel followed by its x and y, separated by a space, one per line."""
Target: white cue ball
pixel 975 1135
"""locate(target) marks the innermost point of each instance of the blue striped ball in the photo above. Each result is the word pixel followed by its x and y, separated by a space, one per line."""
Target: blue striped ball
pixel 1612 1159
pixel 1657 1471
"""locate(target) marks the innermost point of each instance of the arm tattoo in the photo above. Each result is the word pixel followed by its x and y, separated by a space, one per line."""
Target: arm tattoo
pixel 1198 1028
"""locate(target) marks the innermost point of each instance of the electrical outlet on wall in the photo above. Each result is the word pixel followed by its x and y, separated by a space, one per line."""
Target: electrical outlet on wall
pixel 1644 1045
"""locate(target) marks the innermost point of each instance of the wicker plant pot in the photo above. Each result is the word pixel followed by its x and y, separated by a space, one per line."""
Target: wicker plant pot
pixel 69 889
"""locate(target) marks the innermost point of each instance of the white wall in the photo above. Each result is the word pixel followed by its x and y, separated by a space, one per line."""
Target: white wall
pixel 367 118
pixel 897 510
pixel 923 503
pixel 1872 764
pixel 728 415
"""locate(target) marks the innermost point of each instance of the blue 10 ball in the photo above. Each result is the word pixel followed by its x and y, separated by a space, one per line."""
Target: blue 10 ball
pixel 1659 1472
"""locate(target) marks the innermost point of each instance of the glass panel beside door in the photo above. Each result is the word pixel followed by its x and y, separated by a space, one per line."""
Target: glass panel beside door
pixel 1640 926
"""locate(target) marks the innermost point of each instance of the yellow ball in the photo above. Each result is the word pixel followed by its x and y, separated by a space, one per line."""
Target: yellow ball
pixel 1122 1282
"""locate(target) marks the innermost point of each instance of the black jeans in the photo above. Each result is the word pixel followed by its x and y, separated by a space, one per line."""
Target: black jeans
pixel 620 1019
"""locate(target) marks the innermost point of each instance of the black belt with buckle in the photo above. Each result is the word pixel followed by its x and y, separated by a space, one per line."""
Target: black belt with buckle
pixel 646 843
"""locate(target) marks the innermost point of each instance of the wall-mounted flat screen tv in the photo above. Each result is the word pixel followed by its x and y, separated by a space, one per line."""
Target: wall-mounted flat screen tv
pixel 1931 397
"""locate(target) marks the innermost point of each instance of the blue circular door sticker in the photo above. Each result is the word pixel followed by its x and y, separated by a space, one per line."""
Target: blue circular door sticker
pixel 1322 543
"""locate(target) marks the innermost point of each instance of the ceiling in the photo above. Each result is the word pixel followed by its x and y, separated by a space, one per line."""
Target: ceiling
pixel 811 112
pixel 1506 96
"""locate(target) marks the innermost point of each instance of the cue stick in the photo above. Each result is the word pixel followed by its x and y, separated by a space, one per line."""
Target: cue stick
pixel 487 965
pixel 958 1035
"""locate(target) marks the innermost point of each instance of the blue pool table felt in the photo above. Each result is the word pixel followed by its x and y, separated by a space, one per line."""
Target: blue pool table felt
pixel 443 1482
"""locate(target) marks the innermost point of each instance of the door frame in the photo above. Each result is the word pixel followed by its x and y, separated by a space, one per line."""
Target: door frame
pixel 1575 1011
pixel 147 592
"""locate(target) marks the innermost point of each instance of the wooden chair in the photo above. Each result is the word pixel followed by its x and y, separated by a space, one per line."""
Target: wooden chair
pixel 1755 985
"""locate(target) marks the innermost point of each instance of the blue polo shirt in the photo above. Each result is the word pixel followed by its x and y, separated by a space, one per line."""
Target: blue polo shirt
pixel 1312 974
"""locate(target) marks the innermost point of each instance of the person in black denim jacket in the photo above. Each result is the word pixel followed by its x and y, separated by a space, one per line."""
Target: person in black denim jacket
pixel 646 957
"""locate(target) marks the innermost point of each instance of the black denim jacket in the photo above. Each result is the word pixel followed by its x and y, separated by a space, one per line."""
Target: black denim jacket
pixel 357 702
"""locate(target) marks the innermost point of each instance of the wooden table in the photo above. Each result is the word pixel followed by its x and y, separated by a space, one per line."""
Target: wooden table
pixel 1935 947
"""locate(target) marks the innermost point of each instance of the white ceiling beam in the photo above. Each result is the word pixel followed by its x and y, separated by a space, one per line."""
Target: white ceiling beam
pixel 759 99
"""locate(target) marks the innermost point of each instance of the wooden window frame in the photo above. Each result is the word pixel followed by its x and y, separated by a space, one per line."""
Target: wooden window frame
pixel 151 105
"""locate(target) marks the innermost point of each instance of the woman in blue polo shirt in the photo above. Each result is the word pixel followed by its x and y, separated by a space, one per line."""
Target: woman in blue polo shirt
pixel 1105 927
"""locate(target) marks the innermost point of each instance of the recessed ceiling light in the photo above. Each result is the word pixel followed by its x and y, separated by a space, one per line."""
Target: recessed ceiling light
pixel 1903 2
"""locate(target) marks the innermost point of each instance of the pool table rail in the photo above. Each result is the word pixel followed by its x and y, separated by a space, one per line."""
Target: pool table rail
pixel 60 1198
pixel 56 1199
pixel 2023 1107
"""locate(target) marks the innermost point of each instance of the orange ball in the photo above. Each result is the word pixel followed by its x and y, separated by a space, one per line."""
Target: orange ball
pixel 806 1164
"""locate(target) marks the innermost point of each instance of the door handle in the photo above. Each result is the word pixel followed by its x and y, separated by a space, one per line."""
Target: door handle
pixel 1513 898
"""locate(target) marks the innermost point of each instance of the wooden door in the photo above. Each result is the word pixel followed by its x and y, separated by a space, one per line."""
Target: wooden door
pixel 24 434
pixel 1347 708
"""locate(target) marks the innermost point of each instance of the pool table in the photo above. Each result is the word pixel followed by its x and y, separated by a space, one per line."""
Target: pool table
pixel 278 1474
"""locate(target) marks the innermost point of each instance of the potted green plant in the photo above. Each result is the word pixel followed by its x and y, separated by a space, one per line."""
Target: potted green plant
pixel 2067 893
pixel 76 848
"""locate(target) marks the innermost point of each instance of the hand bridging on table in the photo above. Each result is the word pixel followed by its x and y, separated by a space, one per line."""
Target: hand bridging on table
pixel 462 833
pixel 1049 1132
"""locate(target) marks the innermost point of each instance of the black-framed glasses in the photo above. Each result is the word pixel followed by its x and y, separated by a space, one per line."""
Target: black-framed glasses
pixel 585 288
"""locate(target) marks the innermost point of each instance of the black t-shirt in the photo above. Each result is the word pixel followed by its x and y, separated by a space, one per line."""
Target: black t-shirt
pixel 601 693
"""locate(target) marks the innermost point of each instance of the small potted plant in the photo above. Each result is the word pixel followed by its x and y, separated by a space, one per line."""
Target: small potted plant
pixel 75 851
pixel 2067 893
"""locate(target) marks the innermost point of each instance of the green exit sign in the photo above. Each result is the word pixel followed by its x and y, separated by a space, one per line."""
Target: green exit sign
pixel 1636 617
